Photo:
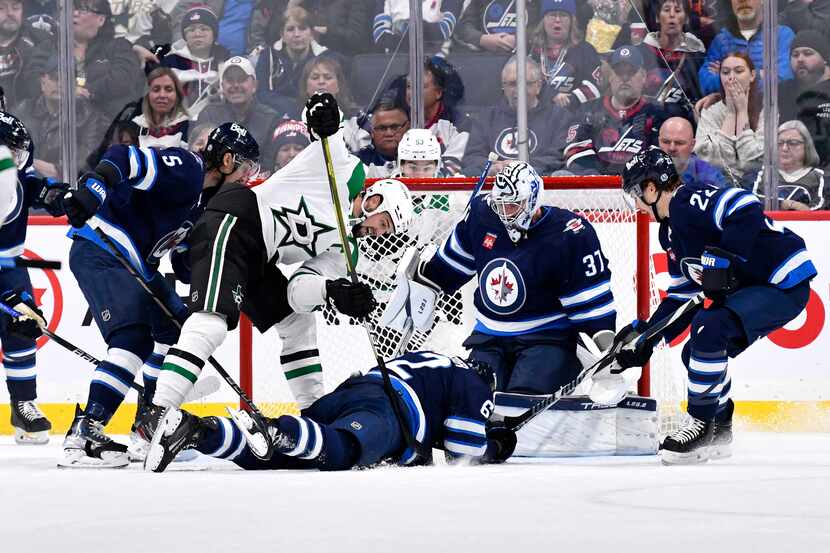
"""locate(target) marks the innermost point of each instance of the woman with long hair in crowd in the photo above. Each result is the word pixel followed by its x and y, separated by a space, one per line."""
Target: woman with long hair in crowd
pixel 163 120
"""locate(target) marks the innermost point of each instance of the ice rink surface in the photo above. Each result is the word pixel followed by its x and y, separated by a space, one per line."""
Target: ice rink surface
pixel 772 495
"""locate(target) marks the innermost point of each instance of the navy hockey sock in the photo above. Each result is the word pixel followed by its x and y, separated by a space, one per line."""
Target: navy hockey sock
pixel 21 374
pixel 329 449
pixel 110 383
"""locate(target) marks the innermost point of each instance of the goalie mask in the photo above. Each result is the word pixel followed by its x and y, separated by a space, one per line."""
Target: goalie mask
pixel 420 146
pixel 13 133
pixel 652 165
pixel 395 200
pixel 515 197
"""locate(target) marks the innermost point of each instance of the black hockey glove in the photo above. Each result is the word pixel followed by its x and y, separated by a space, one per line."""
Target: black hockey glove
pixel 719 279
pixel 31 318
pixel 501 442
pixel 639 356
pixel 50 196
pixel 322 115
pixel 81 204
pixel 354 300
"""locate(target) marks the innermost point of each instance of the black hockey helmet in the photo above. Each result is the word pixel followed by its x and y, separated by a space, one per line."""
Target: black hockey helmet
pixel 653 165
pixel 15 135
pixel 234 138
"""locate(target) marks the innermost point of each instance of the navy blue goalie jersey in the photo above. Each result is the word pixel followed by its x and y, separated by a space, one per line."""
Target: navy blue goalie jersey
pixel 151 205
pixel 732 219
pixel 447 403
pixel 555 280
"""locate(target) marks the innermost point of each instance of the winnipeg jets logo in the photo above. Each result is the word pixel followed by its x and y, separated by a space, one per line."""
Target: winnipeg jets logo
pixel 301 228
pixel 502 287
pixel 507 143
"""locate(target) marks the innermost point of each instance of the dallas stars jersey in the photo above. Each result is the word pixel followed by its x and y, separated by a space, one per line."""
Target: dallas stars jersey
pixel 556 279
pixel 151 205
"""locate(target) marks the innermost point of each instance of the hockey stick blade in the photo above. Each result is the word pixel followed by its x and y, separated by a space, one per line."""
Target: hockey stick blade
pixel 517 422
pixel 204 387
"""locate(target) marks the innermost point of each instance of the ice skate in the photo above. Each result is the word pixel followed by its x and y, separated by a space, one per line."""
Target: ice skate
pixel 689 445
pixel 261 446
pixel 721 447
pixel 31 427
pixel 86 446
pixel 178 431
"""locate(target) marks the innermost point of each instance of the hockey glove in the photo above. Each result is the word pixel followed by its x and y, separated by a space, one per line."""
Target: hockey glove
pixel 719 278
pixel 641 352
pixel 354 300
pixel 83 203
pixel 322 115
pixel 50 196
pixel 501 443
pixel 31 318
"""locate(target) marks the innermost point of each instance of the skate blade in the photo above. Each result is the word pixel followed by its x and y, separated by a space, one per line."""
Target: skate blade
pixel 21 437
pixel 255 440
pixel 170 421
pixel 696 457
pixel 78 459
pixel 720 451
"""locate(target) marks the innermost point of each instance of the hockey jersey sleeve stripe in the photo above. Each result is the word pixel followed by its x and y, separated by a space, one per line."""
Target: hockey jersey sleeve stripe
pixel 576 147
pixel 456 266
pixel 464 449
pixel 469 426
pixel 747 199
pixel 151 170
pixel 457 248
pixel 677 281
pixel 586 295
pixel 596 313
pixel 722 202
pixel 135 163
pixel 795 269
pixel 579 155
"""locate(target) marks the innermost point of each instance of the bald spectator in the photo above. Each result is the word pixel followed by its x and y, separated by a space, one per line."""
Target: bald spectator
pixel 677 138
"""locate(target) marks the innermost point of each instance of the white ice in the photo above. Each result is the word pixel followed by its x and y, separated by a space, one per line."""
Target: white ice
pixel 773 495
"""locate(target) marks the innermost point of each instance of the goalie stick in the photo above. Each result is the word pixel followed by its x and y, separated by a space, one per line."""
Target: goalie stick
pixel 422 451
pixel 209 384
pixel 517 422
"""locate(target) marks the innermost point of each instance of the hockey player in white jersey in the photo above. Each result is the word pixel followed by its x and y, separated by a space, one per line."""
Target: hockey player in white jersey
pixel 245 232
pixel 419 155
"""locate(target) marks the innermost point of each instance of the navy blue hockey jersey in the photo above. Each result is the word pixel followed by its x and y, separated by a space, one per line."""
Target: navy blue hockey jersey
pixel 152 207
pixel 447 403
pixel 13 231
pixel 556 279
pixel 731 219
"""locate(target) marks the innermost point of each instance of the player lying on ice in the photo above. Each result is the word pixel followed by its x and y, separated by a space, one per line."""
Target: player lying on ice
pixel 448 402
pixel 756 273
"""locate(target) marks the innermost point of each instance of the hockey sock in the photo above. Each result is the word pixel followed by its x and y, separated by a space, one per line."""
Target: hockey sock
pixel 21 373
pixel 151 368
pixel 221 439
pixel 304 374
pixel 329 449
pixel 201 334
pixel 110 383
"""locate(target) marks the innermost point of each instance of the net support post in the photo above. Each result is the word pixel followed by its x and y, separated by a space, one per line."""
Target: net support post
pixel 246 352
pixel 643 288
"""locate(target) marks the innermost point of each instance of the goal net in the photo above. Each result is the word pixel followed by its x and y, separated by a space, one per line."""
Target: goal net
pixel 439 203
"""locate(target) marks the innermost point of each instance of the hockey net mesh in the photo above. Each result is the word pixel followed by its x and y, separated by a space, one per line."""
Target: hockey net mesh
pixel 343 343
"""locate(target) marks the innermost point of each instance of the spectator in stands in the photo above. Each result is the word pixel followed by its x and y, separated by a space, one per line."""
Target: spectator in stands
pixel 570 67
pixel 807 97
pixel 677 138
pixel 326 74
pixel 682 51
pixel 199 136
pixel 196 58
pixel 803 15
pixel 234 21
pixel 41 115
pixel 801 184
pixel 730 132
pixel 163 120
pixel 290 138
pixel 743 33
pixel 107 71
pixel 237 79
pixel 279 67
pixel 490 25
pixel 702 17
pixel 607 132
pixel 146 25
pixel 17 45
pixel 494 128
pixel 389 121
pixel 392 20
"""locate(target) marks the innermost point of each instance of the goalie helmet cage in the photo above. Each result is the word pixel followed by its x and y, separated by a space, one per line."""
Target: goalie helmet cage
pixel 439 204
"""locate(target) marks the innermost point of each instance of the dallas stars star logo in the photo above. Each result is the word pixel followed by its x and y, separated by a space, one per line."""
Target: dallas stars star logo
pixel 301 228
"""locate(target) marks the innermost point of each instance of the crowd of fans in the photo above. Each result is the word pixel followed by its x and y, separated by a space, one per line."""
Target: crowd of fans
pixel 605 79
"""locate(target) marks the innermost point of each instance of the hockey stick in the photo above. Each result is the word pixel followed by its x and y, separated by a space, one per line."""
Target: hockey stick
pixel 12 262
pixel 259 418
pixel 420 449
pixel 515 423
pixel 491 157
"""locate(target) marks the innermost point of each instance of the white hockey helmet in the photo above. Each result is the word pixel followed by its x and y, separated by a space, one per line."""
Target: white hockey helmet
pixel 515 197
pixel 419 145
pixel 396 200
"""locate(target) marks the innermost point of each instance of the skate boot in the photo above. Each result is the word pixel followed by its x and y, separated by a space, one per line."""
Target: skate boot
pixel 137 450
pixel 177 431
pixel 86 445
pixel 689 445
pixel 30 425
pixel 721 447
pixel 261 441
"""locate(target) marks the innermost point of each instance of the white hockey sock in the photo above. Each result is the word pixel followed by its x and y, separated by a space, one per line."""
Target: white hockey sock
pixel 201 334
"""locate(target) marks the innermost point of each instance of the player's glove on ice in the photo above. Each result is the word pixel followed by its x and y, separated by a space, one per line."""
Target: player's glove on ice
pixel 719 279
pixel 641 353
pixel 501 442
pixel 322 115
pixel 31 318
pixel 354 300
pixel 83 203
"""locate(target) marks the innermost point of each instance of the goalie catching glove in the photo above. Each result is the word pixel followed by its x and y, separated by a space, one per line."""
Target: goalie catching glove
pixel 412 304
pixel 352 299
pixel 31 319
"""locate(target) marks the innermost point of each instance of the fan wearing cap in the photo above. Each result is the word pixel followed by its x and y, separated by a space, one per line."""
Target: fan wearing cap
pixel 609 130
pixel 290 138
pixel 757 275
pixel 238 102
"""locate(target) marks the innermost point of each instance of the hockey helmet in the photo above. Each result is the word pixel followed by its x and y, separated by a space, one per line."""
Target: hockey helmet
pixel 515 197
pixel 236 139
pixel 653 165
pixel 396 200
pixel 13 133
pixel 419 145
